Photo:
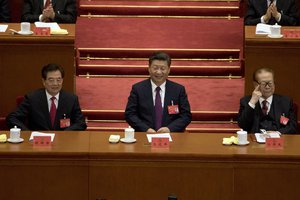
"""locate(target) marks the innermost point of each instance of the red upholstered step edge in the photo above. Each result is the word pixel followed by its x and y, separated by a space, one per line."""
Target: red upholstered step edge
pixel 196 115
pixel 204 127
pixel 169 8
pixel 188 67
pixel 218 53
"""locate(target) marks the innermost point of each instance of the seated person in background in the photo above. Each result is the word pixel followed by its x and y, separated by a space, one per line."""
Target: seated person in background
pixel 282 12
pixel 60 11
pixel 157 104
pixel 48 108
pixel 4 11
pixel 264 109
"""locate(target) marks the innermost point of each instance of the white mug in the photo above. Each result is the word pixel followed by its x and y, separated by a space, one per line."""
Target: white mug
pixel 15 133
pixel 25 27
pixel 275 30
pixel 242 136
pixel 129 133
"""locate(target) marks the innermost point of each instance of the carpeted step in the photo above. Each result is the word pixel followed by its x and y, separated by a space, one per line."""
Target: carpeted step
pixel 94 8
pixel 139 37
pixel 105 98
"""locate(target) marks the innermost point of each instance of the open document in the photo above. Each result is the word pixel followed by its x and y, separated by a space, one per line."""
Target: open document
pixel 263 29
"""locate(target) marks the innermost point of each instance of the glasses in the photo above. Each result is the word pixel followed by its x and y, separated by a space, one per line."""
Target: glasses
pixel 265 84
pixel 55 80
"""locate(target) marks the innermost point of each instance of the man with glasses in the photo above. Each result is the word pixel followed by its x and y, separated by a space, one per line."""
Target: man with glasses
pixel 48 108
pixel 264 109
pixel 157 104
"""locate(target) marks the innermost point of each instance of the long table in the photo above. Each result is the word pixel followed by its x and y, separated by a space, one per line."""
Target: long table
pixel 84 165
pixel 280 54
pixel 22 57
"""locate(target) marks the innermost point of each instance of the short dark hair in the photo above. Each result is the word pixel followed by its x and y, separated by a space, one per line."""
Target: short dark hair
pixel 160 56
pixel 50 68
pixel 260 70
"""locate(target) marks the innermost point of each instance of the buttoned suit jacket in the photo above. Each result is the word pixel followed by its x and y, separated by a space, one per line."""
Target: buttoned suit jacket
pixel 65 10
pixel 140 111
pixel 4 11
pixel 287 8
pixel 33 112
pixel 249 118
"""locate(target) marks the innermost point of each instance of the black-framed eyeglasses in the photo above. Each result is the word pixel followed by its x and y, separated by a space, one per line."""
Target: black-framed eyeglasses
pixel 265 84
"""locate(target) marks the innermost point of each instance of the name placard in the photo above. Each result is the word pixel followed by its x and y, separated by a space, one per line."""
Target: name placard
pixel 158 142
pixel 274 143
pixel 42 140
pixel 41 31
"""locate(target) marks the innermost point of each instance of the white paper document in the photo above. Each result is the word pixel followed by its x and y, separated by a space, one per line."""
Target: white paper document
pixel 36 133
pixel 3 28
pixel 261 138
pixel 263 29
pixel 51 25
pixel 159 135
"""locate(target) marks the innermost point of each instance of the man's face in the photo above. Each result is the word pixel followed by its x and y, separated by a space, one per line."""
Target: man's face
pixel 159 71
pixel 53 82
pixel 266 82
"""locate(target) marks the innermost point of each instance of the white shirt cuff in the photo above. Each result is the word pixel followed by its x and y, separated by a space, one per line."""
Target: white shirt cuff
pixel 279 18
pixel 40 18
pixel 251 105
pixel 262 20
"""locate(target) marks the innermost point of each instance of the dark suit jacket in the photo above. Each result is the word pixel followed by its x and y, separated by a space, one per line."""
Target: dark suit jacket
pixel 34 111
pixel 140 113
pixel 4 11
pixel 65 10
pixel 249 118
pixel 287 8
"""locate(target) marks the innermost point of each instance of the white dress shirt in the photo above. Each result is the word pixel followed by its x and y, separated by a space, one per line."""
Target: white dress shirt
pixel 49 96
pixel 162 92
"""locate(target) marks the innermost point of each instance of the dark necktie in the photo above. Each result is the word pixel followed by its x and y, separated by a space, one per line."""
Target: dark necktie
pixel 47 3
pixel 265 107
pixel 52 111
pixel 158 109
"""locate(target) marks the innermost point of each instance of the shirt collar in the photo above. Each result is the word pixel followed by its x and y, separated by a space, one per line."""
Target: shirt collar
pixel 269 100
pixel 154 86
pixel 49 96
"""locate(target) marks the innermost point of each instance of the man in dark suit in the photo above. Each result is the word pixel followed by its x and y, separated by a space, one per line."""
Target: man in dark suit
pixel 282 12
pixel 60 11
pixel 266 110
pixel 4 11
pixel 49 108
pixel 157 104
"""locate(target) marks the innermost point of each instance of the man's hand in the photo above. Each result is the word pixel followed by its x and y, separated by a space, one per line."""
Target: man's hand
pixel 274 12
pixel 268 14
pixel 150 130
pixel 256 94
pixel 48 14
pixel 163 130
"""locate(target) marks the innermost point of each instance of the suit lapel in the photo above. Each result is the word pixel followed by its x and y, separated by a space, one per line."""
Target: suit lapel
pixel 45 109
pixel 258 115
pixel 167 101
pixel 149 99
pixel 59 111
pixel 41 5
pixel 277 112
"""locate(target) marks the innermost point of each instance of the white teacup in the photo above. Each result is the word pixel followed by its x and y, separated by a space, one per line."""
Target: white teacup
pixel 275 30
pixel 129 133
pixel 242 136
pixel 15 133
pixel 25 27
